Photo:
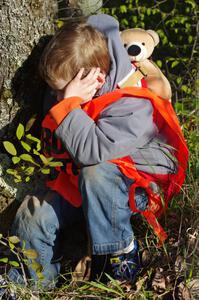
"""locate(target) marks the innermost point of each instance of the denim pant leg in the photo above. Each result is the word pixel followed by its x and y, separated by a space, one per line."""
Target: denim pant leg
pixel 38 223
pixel 104 191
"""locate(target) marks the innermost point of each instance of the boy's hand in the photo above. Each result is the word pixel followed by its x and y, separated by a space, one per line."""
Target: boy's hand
pixel 84 88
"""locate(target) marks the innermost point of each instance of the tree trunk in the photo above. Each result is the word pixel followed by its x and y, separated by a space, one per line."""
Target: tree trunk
pixel 87 7
pixel 76 8
pixel 25 26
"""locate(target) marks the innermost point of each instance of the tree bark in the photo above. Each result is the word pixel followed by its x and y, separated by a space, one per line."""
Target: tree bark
pixel 25 27
pixel 87 7
pixel 68 9
pixel 23 23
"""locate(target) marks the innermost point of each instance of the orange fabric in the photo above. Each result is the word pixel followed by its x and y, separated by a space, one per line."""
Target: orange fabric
pixel 167 122
pixel 67 186
pixel 64 107
pixel 155 205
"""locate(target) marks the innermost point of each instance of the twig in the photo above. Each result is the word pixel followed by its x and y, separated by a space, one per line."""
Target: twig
pixel 195 42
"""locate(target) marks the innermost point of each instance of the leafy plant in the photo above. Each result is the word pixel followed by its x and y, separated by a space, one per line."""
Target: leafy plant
pixel 23 256
pixel 28 160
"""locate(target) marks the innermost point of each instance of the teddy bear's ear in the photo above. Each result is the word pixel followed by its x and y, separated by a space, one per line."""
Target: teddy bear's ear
pixel 154 35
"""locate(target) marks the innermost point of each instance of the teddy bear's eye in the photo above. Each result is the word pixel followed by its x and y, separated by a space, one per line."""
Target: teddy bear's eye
pixel 125 45
pixel 143 44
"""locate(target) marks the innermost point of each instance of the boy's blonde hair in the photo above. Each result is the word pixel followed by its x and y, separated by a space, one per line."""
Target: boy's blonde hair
pixel 74 46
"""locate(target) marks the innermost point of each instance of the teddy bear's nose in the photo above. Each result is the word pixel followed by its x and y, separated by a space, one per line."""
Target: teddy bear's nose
pixel 134 50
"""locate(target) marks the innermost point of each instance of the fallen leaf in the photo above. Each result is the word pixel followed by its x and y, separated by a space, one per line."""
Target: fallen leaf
pixel 180 264
pixel 193 286
pixel 159 281
pixel 183 292
pixel 146 257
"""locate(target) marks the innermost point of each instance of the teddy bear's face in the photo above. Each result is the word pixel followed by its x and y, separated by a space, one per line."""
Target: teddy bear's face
pixel 138 43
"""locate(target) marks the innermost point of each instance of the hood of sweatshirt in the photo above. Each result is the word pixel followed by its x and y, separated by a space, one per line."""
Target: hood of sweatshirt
pixel 120 62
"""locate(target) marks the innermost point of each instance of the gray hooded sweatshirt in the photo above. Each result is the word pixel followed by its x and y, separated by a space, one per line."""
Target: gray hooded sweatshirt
pixel 124 128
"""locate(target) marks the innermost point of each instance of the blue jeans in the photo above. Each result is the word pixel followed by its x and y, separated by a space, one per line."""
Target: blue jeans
pixel 104 191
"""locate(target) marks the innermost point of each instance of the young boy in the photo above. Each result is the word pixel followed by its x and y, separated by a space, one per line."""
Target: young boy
pixel 83 61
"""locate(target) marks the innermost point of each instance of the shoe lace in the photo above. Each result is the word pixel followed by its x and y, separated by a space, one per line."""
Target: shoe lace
pixel 126 269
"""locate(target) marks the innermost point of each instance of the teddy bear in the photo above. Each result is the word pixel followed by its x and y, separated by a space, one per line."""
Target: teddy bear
pixel 140 44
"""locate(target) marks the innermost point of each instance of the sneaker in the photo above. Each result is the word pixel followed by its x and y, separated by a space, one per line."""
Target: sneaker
pixel 126 266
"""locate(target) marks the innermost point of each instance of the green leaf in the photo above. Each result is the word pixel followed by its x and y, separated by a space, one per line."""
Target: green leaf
pixel 25 146
pixel 36 152
pixel 148 11
pixel 134 19
pixel 4 260
pixel 190 39
pixel 102 286
pixel 191 2
pixel 10 148
pixel 179 107
pixel 116 284
pixel 123 9
pixel 29 170
pixel 39 146
pixel 17 180
pixel 184 88
pixel 17 176
pixel 36 140
pixel 30 123
pixel 179 80
pixel 59 23
pixel 44 159
pixel 37 267
pixel 45 171
pixel 27 179
pixel 23 244
pixel 20 131
pixel 175 63
pixel 32 138
pixel 40 276
pixel 30 253
pixel 49 158
pixel 14 239
pixel 55 164
pixel 28 157
pixel 16 159
pixel 1 235
pixel 14 263
pixel 25 261
pixel 11 171
pixel 159 63
pixel 11 245
pixel 124 22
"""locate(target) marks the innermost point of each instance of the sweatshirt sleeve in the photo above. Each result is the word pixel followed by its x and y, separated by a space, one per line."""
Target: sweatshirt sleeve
pixel 122 127
pixel 64 107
